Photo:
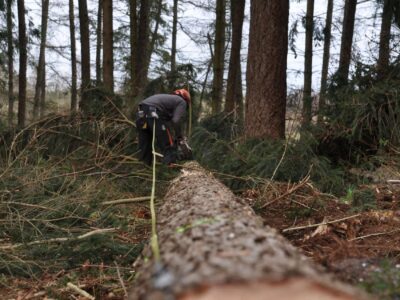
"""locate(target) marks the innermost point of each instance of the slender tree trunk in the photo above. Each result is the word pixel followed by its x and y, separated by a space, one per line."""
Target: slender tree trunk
pixel 142 48
pixel 347 40
pixel 10 62
pixel 219 57
pixel 99 42
pixel 85 54
pixel 74 98
pixel 154 36
pixel 108 60
pixel 234 94
pixel 325 59
pixel 173 46
pixel 307 97
pixel 133 44
pixel 384 43
pixel 22 63
pixel 42 104
pixel 40 80
pixel 266 69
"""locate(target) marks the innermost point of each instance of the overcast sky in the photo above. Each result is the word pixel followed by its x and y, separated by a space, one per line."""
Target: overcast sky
pixel 196 20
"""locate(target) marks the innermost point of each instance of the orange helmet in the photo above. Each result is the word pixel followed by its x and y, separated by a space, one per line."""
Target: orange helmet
pixel 184 94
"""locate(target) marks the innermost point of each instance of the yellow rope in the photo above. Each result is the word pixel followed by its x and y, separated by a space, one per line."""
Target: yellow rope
pixel 154 238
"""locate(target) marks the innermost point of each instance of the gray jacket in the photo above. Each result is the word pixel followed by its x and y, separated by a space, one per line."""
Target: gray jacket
pixel 170 107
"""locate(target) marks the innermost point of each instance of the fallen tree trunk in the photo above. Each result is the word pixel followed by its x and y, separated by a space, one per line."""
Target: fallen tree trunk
pixel 213 246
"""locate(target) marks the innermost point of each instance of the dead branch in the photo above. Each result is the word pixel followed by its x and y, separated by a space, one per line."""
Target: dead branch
pixel 126 201
pixel 80 291
pixel 374 234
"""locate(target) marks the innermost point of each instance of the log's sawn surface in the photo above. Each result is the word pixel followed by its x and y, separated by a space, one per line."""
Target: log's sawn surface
pixel 214 247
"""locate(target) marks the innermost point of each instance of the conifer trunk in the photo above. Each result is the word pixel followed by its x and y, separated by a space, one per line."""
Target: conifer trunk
pixel 40 80
pixel 108 59
pixel 85 54
pixel 133 36
pixel 22 63
pixel 266 69
pixel 347 40
pixel 307 97
pixel 74 94
pixel 99 43
pixel 219 58
pixel 173 45
pixel 234 94
pixel 326 58
pixel 214 247
pixel 384 42
pixel 10 63
pixel 154 34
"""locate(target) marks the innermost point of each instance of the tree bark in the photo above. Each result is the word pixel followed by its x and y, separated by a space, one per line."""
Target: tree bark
pixel 347 41
pixel 307 98
pixel 10 63
pixel 42 100
pixel 22 63
pixel 266 69
pixel 213 246
pixel 74 94
pixel 99 43
pixel 234 93
pixel 40 80
pixel 219 58
pixel 85 54
pixel 133 44
pixel 154 35
pixel 108 60
pixel 142 48
pixel 384 42
pixel 173 46
pixel 325 59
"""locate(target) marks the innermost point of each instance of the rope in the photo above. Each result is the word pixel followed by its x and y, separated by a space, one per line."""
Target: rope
pixel 154 238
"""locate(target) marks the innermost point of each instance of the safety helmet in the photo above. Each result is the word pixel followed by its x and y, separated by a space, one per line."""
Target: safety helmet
pixel 184 94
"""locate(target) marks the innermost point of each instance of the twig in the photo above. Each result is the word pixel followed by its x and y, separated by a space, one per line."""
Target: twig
pixel 120 279
pixel 125 201
pixel 60 240
pixel 319 224
pixel 80 291
pixel 374 234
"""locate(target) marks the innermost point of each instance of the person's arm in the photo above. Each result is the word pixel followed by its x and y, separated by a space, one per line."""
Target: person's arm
pixel 178 116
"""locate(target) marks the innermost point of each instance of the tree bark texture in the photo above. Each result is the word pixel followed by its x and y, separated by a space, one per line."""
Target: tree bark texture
pixel 347 40
pixel 154 35
pixel 85 54
pixel 142 48
pixel 74 94
pixel 99 41
pixel 307 97
pixel 266 69
pixel 10 63
pixel 234 93
pixel 22 63
pixel 41 80
pixel 326 58
pixel 42 100
pixel 219 57
pixel 173 45
pixel 108 57
pixel 133 36
pixel 384 42
pixel 213 246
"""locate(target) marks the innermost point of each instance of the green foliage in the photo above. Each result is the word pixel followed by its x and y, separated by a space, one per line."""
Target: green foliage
pixel 363 199
pixel 101 102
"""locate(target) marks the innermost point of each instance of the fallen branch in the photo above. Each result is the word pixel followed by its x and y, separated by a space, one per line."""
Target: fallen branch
pixel 60 240
pixel 319 224
pixel 374 234
pixel 125 201
pixel 80 291
pixel 121 281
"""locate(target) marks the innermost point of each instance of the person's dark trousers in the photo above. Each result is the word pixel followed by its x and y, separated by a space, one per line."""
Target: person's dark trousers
pixel 164 140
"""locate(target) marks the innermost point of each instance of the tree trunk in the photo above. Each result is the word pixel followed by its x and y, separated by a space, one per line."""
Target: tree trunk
pixel 325 59
pixel 85 54
pixel 154 35
pixel 40 80
pixel 108 60
pixel 213 246
pixel 307 98
pixel 219 57
pixel 347 41
pixel 142 48
pixel 133 44
pixel 173 46
pixel 42 100
pixel 10 63
pixel 266 69
pixel 22 63
pixel 234 94
pixel 99 33
pixel 74 99
pixel 384 42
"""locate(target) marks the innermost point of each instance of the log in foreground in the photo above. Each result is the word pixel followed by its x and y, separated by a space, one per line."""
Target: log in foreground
pixel 214 247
